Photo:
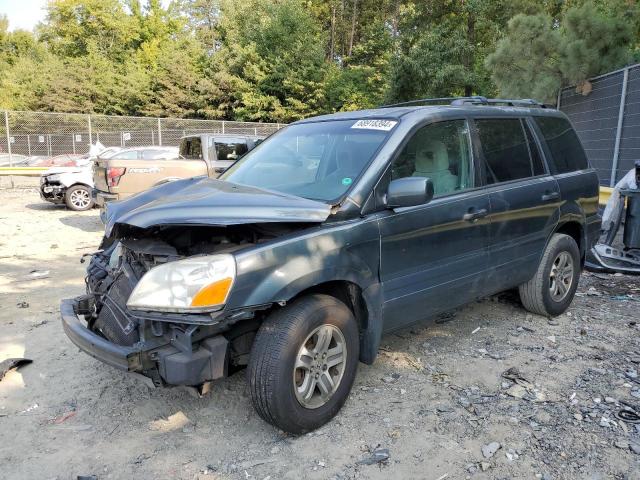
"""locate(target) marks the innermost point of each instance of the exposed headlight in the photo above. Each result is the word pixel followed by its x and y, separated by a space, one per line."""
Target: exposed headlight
pixel 53 178
pixel 199 284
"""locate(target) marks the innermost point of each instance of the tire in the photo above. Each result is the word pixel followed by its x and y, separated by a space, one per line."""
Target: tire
pixel 546 293
pixel 78 198
pixel 277 386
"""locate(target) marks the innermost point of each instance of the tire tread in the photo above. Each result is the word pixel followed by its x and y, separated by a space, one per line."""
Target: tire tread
pixel 271 339
pixel 531 292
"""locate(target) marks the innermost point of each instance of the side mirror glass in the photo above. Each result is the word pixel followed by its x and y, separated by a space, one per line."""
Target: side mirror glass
pixel 409 192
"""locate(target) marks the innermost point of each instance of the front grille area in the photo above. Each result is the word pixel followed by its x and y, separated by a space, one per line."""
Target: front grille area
pixel 113 321
pixel 111 288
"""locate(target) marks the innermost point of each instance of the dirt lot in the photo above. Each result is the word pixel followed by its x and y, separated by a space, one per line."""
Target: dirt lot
pixel 434 397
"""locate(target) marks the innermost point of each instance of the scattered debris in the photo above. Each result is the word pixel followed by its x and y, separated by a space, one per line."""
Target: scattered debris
pixel 490 449
pixel 254 463
pixel 11 363
pixel 378 456
pixel 628 415
pixel 38 273
pixel 22 304
pixel 33 407
pixel 64 417
pixel 393 378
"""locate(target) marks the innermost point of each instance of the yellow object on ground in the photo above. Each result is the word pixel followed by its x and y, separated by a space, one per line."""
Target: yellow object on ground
pixel 605 193
pixel 24 171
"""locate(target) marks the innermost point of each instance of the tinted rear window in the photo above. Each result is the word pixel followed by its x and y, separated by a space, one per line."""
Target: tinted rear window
pixel 191 148
pixel 505 149
pixel 566 150
pixel 230 148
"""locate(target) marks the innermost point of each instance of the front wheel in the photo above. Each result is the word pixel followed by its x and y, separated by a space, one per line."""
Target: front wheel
pixel 78 198
pixel 303 363
pixel 552 288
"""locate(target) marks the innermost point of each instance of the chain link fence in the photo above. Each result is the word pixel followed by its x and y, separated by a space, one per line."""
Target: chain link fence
pixel 26 137
pixel 607 120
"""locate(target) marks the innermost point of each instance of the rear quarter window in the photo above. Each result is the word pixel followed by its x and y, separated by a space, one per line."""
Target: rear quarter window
pixel 563 143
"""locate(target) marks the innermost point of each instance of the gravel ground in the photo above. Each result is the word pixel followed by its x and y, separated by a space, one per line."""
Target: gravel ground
pixel 436 404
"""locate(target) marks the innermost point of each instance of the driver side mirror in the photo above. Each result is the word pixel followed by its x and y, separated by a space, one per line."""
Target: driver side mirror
pixel 409 192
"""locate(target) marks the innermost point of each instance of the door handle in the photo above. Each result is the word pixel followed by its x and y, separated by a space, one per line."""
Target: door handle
pixel 547 197
pixel 475 215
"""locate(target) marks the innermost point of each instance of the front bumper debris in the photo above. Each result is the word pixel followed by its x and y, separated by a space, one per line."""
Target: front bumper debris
pixel 175 361
pixel 52 192
pixel 121 357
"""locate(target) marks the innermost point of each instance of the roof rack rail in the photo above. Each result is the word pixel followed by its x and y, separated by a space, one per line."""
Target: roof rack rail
pixel 473 100
pixel 427 101
pixel 522 102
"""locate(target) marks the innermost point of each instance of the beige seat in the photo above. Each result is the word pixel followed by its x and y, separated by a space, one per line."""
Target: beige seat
pixel 432 161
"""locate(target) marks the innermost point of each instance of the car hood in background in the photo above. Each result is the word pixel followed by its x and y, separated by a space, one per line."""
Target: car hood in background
pixel 60 170
pixel 206 201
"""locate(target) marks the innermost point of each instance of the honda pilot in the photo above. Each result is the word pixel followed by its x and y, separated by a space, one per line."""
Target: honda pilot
pixel 332 232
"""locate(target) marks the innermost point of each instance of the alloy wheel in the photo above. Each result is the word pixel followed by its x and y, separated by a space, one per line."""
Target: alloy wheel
pixel 80 198
pixel 319 366
pixel 561 277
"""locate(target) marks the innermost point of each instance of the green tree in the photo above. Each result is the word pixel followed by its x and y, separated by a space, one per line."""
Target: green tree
pixel 526 62
pixel 540 53
pixel 72 27
pixel 271 62
pixel 442 46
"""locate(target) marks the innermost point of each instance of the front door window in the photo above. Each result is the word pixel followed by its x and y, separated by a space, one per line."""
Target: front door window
pixel 439 151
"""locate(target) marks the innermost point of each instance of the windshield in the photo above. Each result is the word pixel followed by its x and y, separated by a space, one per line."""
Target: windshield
pixel 318 161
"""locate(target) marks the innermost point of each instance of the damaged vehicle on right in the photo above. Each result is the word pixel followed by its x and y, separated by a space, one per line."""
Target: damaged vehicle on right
pixel 333 231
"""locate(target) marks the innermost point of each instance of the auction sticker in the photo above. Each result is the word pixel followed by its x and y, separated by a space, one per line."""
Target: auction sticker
pixel 385 125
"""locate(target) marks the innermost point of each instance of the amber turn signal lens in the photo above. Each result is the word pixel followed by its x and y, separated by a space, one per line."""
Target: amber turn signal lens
pixel 213 294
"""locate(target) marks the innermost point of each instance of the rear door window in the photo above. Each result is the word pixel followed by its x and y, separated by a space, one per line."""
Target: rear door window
pixel 563 143
pixel 506 151
pixel 191 148
pixel 230 148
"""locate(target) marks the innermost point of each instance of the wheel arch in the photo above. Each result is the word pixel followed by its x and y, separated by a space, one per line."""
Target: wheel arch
pixel 575 230
pixel 362 303
pixel 81 184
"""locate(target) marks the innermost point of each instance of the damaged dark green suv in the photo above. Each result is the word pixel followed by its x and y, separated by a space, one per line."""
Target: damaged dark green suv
pixel 332 232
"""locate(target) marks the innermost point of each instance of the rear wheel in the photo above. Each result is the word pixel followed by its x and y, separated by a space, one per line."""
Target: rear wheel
pixel 552 288
pixel 303 363
pixel 78 198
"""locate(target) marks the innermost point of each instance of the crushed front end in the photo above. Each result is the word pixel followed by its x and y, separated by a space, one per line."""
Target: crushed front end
pixel 170 348
pixel 51 189
pixel 158 294
pixel 161 346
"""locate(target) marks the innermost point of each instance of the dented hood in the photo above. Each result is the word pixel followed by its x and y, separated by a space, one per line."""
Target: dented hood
pixel 206 201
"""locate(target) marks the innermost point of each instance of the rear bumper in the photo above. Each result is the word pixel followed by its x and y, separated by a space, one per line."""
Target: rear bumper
pixel 100 198
pixel 123 358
